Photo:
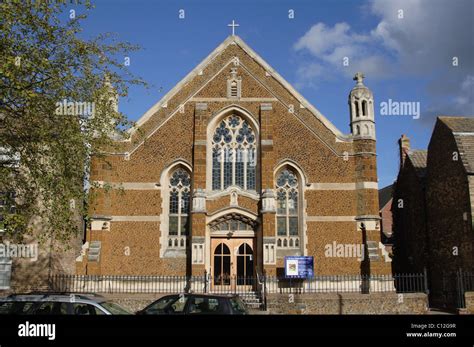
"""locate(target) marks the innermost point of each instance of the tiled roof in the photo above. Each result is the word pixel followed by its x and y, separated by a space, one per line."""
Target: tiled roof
pixel 463 132
pixel 418 159
pixel 459 124
pixel 466 150
pixel 385 194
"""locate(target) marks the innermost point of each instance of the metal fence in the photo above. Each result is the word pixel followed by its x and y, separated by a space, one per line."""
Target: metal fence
pixel 448 289
pixel 464 283
pixel 401 283
pixel 121 284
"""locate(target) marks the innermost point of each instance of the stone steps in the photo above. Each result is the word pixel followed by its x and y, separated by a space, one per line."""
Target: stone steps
pixel 251 299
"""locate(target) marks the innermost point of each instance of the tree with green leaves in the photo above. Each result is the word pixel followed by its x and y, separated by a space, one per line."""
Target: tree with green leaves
pixel 58 97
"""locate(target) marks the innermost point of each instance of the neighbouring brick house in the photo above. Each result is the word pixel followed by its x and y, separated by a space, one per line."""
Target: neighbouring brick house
pixel 433 226
pixel 385 209
pixel 28 264
pixel 409 211
pixel 231 171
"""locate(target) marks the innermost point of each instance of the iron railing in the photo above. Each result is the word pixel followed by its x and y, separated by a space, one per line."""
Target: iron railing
pixel 401 283
pixel 464 283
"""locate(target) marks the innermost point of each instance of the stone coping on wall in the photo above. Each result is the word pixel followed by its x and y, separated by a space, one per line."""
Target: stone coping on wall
pixel 469 300
pixel 348 303
pixel 316 303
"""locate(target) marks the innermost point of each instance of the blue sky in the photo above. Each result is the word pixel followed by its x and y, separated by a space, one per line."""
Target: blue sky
pixel 404 59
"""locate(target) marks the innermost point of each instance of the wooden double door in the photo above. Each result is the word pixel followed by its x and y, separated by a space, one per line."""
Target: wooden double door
pixel 232 262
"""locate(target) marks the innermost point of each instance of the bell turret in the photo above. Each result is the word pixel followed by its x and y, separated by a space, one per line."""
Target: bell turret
pixel 361 103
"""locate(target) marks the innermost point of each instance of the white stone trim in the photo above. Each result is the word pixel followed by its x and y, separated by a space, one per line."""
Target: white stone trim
pixel 213 195
pixel 269 253
pixel 343 186
pixel 285 84
pixel 198 200
pixel 369 224
pixel 211 217
pixel 234 39
pixel 294 165
pixel 169 116
pixel 100 225
pixel 200 106
pixel 266 107
pixel 331 218
pixel 136 218
pixel 198 253
pixel 165 201
pixel 268 201
pixel 193 99
pixel 302 216
pixel 131 185
pixel 463 133
pixel 259 60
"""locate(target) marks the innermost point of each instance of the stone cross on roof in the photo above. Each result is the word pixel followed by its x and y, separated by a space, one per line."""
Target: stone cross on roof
pixel 359 77
pixel 233 25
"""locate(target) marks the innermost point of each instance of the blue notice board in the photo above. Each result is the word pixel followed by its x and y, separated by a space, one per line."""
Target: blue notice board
pixel 299 267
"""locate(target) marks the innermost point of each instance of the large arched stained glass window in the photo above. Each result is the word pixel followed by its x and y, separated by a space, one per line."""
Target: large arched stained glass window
pixel 180 187
pixel 287 209
pixel 234 154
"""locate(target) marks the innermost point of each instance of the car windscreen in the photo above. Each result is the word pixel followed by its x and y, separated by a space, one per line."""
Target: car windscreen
pixel 237 305
pixel 114 308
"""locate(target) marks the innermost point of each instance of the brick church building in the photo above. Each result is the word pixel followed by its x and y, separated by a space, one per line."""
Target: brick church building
pixel 232 171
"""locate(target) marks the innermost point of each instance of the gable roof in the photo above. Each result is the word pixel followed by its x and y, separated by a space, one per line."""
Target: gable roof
pixel 418 159
pixel 459 124
pixel 385 195
pixel 463 132
pixel 236 40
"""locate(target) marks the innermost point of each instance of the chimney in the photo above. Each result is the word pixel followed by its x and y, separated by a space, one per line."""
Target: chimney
pixel 404 146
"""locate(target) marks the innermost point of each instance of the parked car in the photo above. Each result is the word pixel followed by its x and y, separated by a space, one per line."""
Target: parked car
pixel 59 304
pixel 196 304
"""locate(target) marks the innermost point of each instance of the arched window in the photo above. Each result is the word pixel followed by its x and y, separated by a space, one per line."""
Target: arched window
pixel 234 154
pixel 287 209
pixel 232 225
pixel 180 187
pixel 364 108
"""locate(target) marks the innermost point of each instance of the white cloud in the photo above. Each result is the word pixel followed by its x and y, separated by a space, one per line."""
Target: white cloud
pixel 331 45
pixel 307 74
pixel 421 44
pixel 430 33
pixel 465 97
pixel 333 38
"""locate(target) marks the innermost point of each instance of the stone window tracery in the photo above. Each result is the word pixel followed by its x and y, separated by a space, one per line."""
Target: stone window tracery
pixel 179 207
pixel 287 214
pixel 234 154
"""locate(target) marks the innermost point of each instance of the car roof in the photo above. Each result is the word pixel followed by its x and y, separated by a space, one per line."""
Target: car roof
pixel 225 296
pixel 37 296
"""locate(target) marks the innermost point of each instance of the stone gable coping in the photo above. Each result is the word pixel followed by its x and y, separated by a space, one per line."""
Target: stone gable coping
pixel 196 72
